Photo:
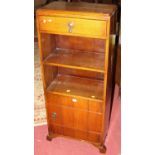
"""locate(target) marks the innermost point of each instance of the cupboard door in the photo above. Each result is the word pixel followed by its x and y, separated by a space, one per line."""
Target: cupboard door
pixel 95 106
pixel 67 117
pixel 55 115
pixel 75 118
pixel 62 116
pixel 95 122
pixel 81 120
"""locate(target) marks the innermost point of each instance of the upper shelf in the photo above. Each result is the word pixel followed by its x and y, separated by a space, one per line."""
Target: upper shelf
pixel 67 58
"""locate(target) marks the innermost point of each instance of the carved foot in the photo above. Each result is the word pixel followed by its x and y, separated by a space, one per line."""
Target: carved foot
pixel 102 149
pixel 49 137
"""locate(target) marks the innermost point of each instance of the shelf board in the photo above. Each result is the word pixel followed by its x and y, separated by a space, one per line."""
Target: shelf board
pixel 82 60
pixel 76 86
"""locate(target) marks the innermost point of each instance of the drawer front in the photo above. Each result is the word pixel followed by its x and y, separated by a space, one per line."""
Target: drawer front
pixel 73 26
pixel 74 118
pixel 75 102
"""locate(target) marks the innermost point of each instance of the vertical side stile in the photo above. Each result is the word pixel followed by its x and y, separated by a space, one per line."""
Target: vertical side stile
pixel 105 80
pixel 41 63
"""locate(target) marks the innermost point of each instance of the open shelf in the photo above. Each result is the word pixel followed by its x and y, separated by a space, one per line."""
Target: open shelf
pixel 91 61
pixel 76 86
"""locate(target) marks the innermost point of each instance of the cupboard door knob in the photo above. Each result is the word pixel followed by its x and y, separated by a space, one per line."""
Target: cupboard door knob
pixel 54 114
pixel 70 26
pixel 74 100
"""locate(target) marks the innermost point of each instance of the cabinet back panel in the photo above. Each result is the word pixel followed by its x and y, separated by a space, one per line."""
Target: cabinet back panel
pixel 80 43
pixel 80 73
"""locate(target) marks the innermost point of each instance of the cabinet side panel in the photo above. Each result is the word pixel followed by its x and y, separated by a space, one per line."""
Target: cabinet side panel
pixel 113 23
pixel 47 44
pixel 110 82
pixel 50 73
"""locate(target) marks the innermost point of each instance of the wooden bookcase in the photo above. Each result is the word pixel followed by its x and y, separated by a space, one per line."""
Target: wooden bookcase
pixel 76 56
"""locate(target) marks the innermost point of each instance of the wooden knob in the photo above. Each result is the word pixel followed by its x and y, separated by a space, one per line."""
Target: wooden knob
pixel 44 21
pixel 74 100
pixel 49 20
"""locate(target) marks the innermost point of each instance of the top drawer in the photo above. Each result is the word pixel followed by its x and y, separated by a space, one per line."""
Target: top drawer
pixel 73 26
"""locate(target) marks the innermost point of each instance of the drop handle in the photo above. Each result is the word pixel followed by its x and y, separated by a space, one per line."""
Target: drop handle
pixel 70 26
pixel 74 100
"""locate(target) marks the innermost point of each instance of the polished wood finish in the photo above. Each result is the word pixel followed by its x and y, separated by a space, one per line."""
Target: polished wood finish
pixel 77 60
pixel 81 27
pixel 77 86
pixel 71 117
pixel 80 43
pixel 81 73
pixel 81 10
pixel 90 61
pixel 47 43
pixel 81 103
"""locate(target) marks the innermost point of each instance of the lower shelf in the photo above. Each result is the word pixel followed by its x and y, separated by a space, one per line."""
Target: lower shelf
pixel 76 86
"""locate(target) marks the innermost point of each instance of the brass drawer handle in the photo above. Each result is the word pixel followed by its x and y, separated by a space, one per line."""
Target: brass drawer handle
pixel 74 100
pixel 70 26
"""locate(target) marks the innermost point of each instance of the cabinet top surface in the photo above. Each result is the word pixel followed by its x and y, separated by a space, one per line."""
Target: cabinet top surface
pixel 78 8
